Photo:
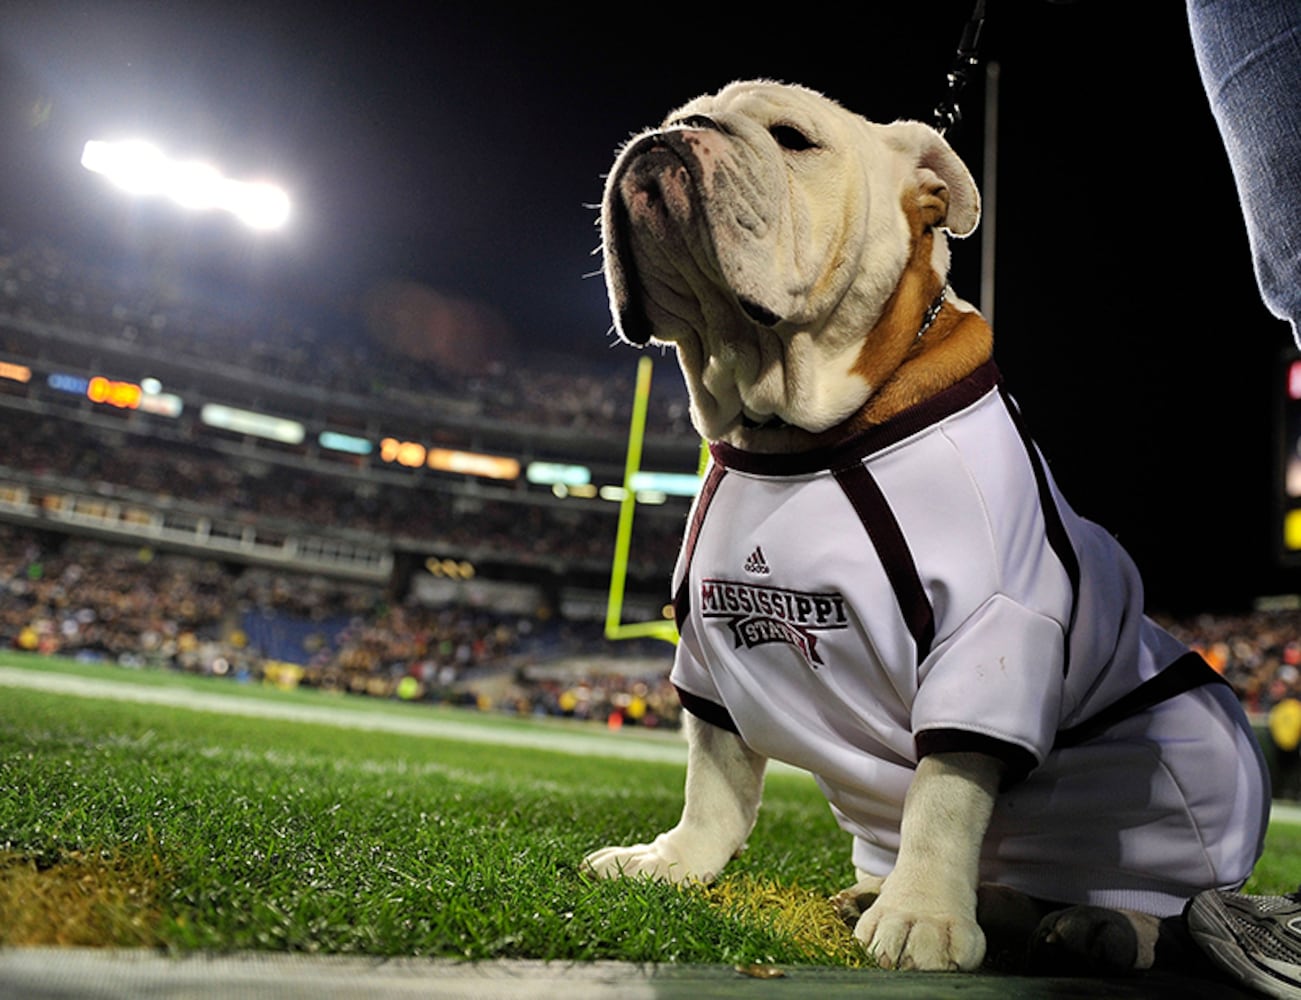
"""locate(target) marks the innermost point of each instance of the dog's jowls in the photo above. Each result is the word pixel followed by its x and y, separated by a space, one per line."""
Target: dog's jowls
pixel 880 582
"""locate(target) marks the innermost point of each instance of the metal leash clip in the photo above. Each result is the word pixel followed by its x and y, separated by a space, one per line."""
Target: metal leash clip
pixel 947 113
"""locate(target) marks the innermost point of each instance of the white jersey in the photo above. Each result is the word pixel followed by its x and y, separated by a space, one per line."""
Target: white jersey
pixel 925 588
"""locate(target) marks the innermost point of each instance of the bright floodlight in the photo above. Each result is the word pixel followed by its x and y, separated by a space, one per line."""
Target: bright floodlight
pixel 143 169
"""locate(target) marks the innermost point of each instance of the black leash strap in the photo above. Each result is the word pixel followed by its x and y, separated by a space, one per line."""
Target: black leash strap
pixel 947 113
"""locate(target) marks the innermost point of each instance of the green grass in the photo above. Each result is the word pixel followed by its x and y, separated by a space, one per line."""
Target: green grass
pixel 193 830
pixel 140 824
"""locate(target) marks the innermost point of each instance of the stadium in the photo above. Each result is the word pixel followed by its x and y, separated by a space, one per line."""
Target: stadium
pixel 333 534
pixel 336 535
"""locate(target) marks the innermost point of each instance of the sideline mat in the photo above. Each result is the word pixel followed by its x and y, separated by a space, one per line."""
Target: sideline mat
pixel 64 974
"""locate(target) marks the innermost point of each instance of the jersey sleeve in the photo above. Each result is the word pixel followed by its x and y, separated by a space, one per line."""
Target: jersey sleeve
pixel 994 686
pixel 696 689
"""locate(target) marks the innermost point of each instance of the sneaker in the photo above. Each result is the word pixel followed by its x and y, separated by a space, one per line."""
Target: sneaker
pixel 1255 939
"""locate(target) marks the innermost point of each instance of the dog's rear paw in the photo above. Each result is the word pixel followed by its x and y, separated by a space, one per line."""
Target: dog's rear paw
pixel 850 904
pixel 1091 941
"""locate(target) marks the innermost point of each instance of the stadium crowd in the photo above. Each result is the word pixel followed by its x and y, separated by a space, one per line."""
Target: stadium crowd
pixel 1258 652
pixel 46 454
pixel 108 455
pixel 107 603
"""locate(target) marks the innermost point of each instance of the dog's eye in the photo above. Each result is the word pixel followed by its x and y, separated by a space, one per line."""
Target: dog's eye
pixel 789 137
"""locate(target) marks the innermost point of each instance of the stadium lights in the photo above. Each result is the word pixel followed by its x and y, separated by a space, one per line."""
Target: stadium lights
pixel 350 443
pixel 143 169
pixel 414 455
pixel 473 464
pixel 148 395
pixel 673 483
pixel 452 569
pixel 557 474
pixel 122 395
pixel 230 418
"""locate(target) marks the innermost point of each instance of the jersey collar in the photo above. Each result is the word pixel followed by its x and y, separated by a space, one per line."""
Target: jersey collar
pixel 911 421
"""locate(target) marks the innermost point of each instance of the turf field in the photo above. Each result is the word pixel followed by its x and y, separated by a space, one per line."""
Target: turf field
pixel 222 817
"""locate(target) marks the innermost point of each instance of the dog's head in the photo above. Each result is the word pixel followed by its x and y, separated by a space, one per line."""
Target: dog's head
pixel 788 249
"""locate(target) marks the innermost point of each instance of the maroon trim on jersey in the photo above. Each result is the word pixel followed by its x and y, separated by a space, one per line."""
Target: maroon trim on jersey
pixel 707 711
pixel 911 421
pixel 1018 761
pixel 1184 674
pixel 682 597
pixel 873 510
pixel 1059 540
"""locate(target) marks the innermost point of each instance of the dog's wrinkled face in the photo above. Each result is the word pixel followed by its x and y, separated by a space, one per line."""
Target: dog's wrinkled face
pixel 762 231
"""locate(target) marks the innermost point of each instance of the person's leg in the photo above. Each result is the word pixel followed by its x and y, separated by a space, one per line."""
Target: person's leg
pixel 1249 55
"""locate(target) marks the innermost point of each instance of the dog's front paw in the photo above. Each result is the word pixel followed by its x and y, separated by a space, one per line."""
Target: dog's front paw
pixel 903 937
pixel 662 860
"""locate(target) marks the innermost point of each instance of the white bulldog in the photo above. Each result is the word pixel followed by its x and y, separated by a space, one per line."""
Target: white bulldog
pixel 880 582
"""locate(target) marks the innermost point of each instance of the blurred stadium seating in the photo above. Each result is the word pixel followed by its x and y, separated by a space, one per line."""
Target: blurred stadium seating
pixel 158 500
pixel 71 462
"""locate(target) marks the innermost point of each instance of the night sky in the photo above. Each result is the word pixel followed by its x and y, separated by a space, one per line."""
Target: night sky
pixel 463 146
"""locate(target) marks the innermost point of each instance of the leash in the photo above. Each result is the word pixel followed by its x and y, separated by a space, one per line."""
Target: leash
pixel 948 114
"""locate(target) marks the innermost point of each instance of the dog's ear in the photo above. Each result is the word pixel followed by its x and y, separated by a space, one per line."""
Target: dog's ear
pixel 949 193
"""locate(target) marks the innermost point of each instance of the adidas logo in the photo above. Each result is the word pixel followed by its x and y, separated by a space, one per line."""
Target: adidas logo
pixel 756 563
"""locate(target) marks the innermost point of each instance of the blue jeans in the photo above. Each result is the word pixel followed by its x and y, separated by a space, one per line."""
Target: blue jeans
pixel 1249 54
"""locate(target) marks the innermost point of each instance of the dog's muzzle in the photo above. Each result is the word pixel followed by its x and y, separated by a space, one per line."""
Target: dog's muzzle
pixel 646 165
pixel 663 154
pixel 640 185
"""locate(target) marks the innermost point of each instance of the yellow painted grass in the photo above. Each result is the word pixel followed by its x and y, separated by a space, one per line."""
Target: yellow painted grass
pixel 800 915
pixel 85 900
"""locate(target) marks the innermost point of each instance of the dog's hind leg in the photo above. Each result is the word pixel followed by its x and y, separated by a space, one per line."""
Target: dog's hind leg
pixel 1096 941
pixel 1092 941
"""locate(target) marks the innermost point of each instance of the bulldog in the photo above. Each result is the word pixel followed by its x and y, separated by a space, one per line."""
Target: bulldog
pixel 880 582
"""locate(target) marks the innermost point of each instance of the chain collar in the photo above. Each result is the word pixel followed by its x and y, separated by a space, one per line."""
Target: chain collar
pixel 932 312
pixel 928 320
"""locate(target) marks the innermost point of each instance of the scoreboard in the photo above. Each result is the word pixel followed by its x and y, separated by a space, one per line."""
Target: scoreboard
pixel 1288 525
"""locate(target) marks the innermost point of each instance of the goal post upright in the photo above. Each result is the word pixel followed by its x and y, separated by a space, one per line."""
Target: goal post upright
pixel 614 627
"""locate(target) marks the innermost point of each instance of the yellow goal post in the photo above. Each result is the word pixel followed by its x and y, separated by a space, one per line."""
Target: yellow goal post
pixel 615 627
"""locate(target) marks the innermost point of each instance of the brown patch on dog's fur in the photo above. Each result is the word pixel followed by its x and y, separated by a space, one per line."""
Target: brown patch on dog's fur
pixel 909 369
pixel 904 368
pixel 957 344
